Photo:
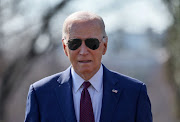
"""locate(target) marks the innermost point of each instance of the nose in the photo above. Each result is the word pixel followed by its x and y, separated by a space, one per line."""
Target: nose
pixel 83 49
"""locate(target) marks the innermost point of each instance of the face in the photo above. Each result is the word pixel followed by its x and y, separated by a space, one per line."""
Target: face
pixel 85 60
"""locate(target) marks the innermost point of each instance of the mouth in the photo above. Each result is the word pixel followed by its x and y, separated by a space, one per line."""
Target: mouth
pixel 85 61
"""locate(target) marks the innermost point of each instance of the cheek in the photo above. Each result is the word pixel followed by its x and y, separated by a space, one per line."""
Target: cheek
pixel 72 56
pixel 98 56
pixel 101 51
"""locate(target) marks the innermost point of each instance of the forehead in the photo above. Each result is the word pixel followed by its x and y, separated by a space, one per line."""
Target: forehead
pixel 85 29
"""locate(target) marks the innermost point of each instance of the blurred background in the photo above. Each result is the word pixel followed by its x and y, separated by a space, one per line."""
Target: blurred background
pixel 144 43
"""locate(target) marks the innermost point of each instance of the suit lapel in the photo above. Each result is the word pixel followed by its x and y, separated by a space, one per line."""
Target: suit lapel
pixel 111 95
pixel 65 97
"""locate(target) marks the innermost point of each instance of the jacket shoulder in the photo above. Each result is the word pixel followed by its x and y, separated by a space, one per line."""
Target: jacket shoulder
pixel 131 85
pixel 47 81
pixel 53 80
pixel 126 81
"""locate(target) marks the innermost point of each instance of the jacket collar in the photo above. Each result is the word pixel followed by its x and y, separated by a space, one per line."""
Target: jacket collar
pixel 64 95
pixel 112 90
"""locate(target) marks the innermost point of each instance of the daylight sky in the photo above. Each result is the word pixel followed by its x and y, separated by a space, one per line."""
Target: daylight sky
pixel 133 16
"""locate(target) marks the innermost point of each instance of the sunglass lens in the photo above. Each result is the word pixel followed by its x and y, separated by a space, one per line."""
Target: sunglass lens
pixel 74 44
pixel 92 43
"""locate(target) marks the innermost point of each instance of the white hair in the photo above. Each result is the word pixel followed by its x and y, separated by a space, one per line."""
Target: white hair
pixel 82 16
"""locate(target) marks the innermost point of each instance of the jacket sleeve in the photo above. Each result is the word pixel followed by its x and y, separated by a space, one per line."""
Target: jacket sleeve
pixel 144 113
pixel 32 109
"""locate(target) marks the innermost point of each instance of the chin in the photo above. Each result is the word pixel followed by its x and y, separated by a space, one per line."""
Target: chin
pixel 85 70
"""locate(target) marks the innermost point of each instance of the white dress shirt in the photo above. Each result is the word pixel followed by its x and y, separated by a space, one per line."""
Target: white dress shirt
pixel 95 91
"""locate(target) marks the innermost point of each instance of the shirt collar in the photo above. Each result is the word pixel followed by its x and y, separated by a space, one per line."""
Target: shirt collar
pixel 96 81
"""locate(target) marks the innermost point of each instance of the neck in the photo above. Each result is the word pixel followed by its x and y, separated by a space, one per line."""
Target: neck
pixel 87 76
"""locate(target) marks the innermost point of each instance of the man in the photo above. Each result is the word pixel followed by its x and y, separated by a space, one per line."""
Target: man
pixel 87 91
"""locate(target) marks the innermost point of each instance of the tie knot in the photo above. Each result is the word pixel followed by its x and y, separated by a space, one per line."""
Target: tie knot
pixel 86 84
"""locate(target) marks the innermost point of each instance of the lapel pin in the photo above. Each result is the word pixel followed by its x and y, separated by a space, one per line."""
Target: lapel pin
pixel 115 91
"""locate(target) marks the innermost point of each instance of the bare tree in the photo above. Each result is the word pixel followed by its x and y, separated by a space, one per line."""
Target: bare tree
pixel 15 70
pixel 173 46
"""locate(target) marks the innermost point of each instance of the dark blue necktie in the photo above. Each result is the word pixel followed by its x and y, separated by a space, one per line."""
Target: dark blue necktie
pixel 86 110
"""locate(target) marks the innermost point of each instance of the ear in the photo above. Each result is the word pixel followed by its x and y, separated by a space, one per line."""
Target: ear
pixel 105 42
pixel 64 47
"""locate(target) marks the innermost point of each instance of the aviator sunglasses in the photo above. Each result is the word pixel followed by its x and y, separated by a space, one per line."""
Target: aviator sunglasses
pixel 91 43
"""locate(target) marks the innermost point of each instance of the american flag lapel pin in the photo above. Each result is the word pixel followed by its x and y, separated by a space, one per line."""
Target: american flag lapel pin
pixel 115 91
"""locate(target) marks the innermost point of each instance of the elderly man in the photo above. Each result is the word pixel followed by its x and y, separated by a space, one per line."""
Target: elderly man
pixel 87 91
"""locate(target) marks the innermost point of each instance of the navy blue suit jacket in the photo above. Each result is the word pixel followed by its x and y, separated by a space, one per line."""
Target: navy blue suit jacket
pixel 51 99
